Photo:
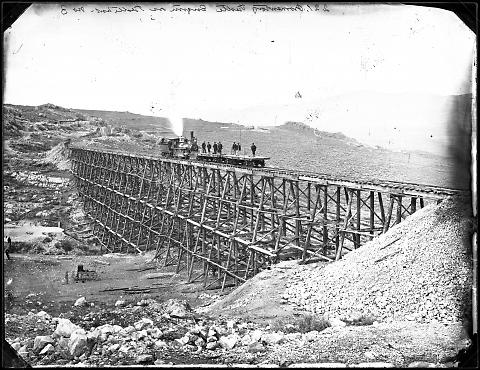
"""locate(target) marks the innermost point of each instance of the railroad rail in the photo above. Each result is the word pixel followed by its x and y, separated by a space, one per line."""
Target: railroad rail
pixel 224 223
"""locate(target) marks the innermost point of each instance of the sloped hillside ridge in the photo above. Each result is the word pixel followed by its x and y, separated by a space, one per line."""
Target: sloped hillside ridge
pixel 58 156
pixel 420 270
pixel 12 123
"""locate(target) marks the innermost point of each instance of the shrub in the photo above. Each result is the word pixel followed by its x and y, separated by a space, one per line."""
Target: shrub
pixel 302 324
pixel 38 248
pixel 66 245
pixel 310 322
pixel 18 247
pixel 362 321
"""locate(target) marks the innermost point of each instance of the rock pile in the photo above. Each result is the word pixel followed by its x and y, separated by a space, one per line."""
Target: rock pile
pixel 142 341
pixel 420 270
pixel 144 333
pixel 36 178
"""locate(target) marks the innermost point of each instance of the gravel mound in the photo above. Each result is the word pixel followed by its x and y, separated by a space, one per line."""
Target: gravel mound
pixel 420 270
pixel 58 156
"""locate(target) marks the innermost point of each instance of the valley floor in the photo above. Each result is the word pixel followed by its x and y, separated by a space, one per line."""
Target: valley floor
pixel 38 296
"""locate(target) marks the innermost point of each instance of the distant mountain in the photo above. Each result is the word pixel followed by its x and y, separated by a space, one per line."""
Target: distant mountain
pixel 16 118
pixel 430 123
pixel 130 120
pixel 422 122
pixel 313 131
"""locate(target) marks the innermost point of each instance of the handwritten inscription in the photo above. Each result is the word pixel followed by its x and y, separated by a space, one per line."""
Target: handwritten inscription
pixel 270 8
pixel 179 8
pixel 176 8
pixel 285 8
pixel 229 8
pixel 119 9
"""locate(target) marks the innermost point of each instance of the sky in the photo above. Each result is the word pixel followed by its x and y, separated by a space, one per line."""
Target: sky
pixel 256 68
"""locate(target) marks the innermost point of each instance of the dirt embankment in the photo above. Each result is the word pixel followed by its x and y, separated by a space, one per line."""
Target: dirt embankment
pixel 420 270
pixel 417 275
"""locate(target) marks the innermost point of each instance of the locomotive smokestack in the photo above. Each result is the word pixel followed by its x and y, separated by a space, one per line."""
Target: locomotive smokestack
pixel 191 135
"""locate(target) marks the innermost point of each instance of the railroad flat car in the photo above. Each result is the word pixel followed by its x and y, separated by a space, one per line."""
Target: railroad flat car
pixel 236 160
pixel 184 148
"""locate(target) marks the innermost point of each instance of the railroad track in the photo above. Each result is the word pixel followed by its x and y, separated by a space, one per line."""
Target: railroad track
pixel 396 186
pixel 377 182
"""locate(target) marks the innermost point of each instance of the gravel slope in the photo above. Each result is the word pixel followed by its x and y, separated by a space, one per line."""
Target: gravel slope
pixel 421 270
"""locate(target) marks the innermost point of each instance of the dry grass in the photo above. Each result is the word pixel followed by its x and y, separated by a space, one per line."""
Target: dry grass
pixel 302 324
pixel 362 321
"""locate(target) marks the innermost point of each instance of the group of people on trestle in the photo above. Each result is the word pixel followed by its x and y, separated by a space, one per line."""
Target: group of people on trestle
pixel 218 147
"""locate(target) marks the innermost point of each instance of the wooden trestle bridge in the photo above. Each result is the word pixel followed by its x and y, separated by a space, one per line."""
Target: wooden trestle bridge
pixel 223 224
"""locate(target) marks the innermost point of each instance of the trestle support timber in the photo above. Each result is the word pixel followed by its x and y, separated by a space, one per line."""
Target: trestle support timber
pixel 223 224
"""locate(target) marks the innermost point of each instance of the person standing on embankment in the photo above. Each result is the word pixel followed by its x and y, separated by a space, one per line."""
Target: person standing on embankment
pixel 8 245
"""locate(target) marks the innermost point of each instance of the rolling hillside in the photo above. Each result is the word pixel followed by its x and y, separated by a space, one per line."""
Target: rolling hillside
pixel 396 121
pixel 291 145
pixel 298 146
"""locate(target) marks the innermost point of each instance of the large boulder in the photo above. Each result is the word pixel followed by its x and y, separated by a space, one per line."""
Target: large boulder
pixel 229 341
pixel 82 301
pixel 105 329
pixel 143 324
pixel 93 335
pixel 137 335
pixel 16 346
pixel 246 340
pixel 78 343
pixel 177 308
pixel 212 345
pixel 44 316
pixel 200 342
pixel 47 349
pixel 212 332
pixel 183 340
pixel 41 341
pixel 127 330
pixel 154 332
pixel 62 343
pixel 146 302
pixel 273 338
pixel 23 351
pixel 256 347
pixel 256 335
pixel 102 332
pixel 65 328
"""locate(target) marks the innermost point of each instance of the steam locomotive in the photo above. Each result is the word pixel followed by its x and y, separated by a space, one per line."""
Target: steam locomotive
pixel 183 148
pixel 179 147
